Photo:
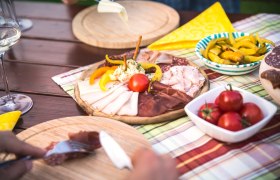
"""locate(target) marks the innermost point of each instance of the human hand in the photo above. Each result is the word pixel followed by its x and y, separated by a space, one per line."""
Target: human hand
pixel 150 166
pixel 69 2
pixel 9 143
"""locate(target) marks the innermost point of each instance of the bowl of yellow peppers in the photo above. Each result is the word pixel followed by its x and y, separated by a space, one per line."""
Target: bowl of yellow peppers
pixel 233 53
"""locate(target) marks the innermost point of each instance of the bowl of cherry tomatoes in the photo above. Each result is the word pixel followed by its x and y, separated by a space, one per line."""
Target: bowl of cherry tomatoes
pixel 230 114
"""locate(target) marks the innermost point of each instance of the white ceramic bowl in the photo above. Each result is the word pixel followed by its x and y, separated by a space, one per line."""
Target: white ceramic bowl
pixel 219 133
pixel 223 68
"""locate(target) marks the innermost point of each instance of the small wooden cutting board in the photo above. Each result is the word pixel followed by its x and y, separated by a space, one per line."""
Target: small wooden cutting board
pixel 152 20
pixel 95 166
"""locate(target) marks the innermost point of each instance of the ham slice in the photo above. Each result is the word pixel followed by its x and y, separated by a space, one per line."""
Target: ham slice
pixel 106 100
pixel 117 104
pixel 130 108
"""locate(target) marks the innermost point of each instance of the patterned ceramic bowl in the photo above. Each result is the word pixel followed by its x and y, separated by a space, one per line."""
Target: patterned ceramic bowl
pixel 223 68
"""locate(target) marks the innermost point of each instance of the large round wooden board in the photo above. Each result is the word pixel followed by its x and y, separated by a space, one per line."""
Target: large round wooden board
pixel 135 119
pixel 152 20
pixel 95 166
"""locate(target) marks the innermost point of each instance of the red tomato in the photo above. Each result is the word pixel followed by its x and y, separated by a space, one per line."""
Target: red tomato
pixel 138 83
pixel 210 112
pixel 231 121
pixel 251 112
pixel 217 100
pixel 230 100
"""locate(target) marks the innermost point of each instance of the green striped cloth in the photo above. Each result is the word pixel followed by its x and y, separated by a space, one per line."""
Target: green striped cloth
pixel 200 156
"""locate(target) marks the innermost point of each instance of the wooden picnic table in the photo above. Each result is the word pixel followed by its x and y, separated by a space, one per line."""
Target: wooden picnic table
pixel 48 49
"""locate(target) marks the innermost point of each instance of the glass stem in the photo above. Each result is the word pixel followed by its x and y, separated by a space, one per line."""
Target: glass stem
pixel 4 77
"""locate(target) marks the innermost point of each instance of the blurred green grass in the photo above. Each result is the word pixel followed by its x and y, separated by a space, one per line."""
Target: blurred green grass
pixel 246 6
pixel 260 6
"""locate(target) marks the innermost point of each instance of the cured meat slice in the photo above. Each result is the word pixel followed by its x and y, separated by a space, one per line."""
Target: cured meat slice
pixel 130 108
pixel 90 138
pixel 106 100
pixel 117 104
pixel 273 76
pixel 162 99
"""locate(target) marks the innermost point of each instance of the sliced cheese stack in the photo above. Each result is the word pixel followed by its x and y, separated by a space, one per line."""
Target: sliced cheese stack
pixel 117 100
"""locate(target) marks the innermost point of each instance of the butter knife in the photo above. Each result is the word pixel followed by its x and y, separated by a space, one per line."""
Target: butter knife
pixel 114 151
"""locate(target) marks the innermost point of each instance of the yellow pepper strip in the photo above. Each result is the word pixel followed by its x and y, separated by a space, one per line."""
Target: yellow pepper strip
pixel 210 45
pixel 99 72
pixel 253 39
pixel 158 74
pixel 215 50
pixel 250 59
pixel 267 41
pixel 213 57
pixel 248 51
pixel 232 56
pixel 262 50
pixel 231 39
pixel 246 44
pixel 241 38
pixel 105 79
pixel 118 62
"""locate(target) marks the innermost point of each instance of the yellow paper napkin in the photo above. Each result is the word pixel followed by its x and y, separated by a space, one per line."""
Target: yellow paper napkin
pixel 9 120
pixel 212 20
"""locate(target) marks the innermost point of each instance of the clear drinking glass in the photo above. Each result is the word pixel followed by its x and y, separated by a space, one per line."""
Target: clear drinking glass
pixel 9 35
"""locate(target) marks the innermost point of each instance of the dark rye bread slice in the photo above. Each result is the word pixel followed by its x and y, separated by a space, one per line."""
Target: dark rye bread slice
pixel 170 115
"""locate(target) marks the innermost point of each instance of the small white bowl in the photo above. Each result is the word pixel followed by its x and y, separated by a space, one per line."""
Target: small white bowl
pixel 225 135
pixel 224 68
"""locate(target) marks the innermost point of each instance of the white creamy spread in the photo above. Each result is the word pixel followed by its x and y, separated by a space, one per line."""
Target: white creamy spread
pixel 124 75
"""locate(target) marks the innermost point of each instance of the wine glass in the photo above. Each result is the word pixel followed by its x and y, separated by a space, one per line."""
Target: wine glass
pixel 24 24
pixel 9 35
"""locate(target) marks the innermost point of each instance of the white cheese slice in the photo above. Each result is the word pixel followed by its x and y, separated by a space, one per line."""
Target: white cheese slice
pixel 117 104
pixel 107 6
pixel 130 108
pixel 103 102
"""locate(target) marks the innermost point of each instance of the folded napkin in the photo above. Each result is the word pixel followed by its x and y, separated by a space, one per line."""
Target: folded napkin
pixel 212 20
pixel 9 120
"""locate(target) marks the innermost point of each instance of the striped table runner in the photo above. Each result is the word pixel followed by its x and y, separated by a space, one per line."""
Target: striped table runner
pixel 199 156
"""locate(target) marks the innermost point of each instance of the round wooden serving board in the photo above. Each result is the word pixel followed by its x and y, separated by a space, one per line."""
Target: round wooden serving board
pixel 135 119
pixel 152 20
pixel 95 166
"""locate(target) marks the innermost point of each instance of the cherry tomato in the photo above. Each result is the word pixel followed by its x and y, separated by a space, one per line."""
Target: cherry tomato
pixel 217 100
pixel 210 112
pixel 230 100
pixel 138 83
pixel 231 121
pixel 251 112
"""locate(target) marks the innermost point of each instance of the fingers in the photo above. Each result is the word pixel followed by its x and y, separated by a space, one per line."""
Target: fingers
pixel 11 144
pixel 149 165
pixel 16 170
pixel 69 2
pixel 170 164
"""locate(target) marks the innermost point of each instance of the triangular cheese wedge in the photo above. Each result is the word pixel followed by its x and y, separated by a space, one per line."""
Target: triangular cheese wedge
pixel 212 20
pixel 9 120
